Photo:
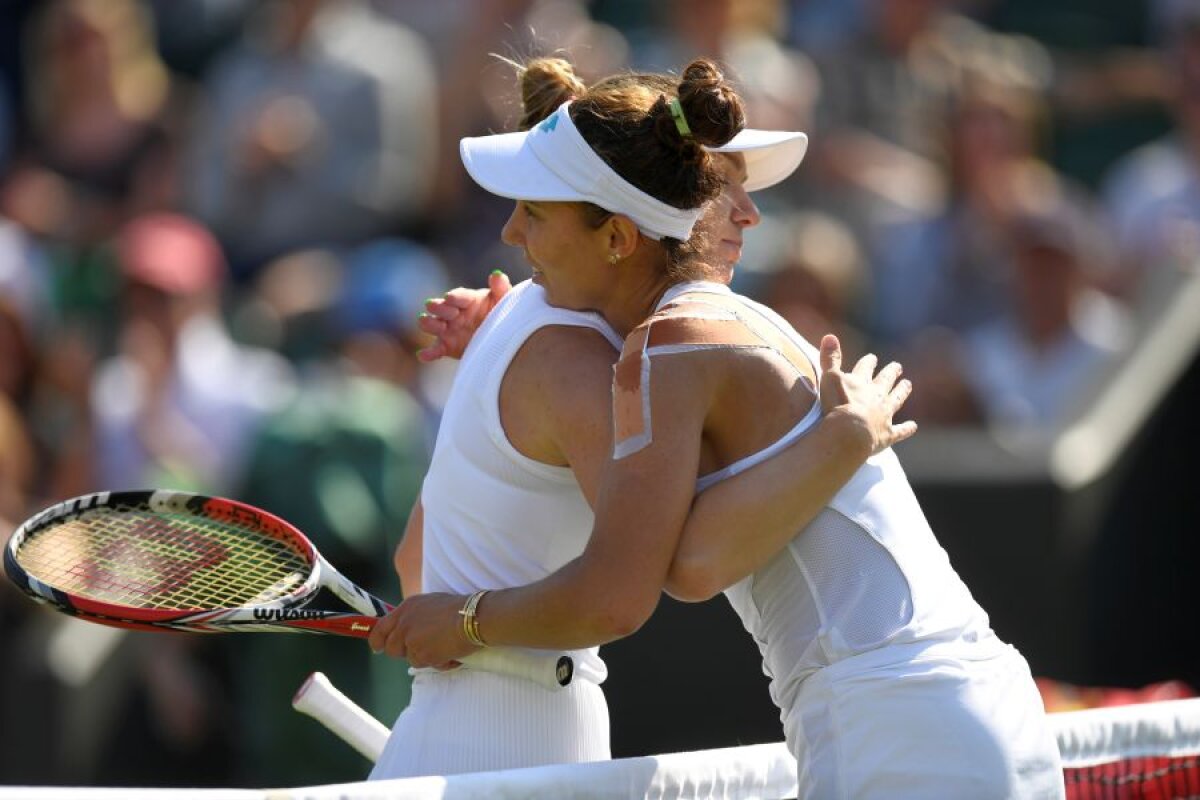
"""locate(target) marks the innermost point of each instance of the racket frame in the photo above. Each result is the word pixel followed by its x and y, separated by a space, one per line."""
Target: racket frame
pixel 287 613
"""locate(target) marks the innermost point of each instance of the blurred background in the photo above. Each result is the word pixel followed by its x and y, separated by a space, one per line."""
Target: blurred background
pixel 219 219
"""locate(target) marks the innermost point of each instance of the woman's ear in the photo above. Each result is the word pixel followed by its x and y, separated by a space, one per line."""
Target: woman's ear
pixel 623 235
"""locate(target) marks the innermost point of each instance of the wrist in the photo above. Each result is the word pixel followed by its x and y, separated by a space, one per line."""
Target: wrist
pixel 470 619
pixel 852 432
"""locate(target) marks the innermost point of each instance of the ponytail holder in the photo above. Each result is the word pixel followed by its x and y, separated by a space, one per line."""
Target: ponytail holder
pixel 680 120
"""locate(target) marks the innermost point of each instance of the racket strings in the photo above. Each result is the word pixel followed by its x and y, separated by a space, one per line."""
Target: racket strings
pixel 163 561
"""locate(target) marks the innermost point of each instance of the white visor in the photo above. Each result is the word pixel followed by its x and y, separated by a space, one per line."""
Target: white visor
pixel 552 161
pixel 771 156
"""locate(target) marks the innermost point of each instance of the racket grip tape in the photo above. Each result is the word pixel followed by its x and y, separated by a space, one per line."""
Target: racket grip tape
pixel 547 668
pixel 322 701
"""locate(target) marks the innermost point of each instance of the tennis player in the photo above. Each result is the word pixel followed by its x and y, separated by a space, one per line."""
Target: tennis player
pixel 889 680
pixel 523 440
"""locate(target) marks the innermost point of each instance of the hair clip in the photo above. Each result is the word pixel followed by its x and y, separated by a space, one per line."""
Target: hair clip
pixel 680 120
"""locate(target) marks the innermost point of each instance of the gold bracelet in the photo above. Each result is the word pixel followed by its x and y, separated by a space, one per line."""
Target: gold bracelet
pixel 471 619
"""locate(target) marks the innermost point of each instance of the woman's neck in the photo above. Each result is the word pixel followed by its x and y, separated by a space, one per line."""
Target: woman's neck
pixel 629 307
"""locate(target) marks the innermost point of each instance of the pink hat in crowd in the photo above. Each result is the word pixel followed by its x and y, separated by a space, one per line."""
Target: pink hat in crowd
pixel 170 252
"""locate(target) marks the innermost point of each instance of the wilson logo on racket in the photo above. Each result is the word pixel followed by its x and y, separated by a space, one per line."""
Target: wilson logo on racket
pixel 287 614
pixel 166 560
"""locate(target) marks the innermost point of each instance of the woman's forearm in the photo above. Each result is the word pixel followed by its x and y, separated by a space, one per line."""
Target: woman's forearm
pixel 738 525
pixel 570 609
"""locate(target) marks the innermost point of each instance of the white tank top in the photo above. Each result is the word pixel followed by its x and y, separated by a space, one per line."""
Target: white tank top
pixel 865 575
pixel 495 518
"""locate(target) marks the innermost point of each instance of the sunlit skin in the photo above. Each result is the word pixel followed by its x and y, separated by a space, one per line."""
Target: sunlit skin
pixel 729 216
pixel 453 318
pixel 608 266
pixel 555 238
pixel 581 266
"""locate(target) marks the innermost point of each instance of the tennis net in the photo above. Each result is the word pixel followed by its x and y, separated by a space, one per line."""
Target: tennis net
pixel 1149 751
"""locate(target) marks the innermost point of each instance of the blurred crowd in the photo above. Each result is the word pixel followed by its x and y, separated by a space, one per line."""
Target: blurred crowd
pixel 220 218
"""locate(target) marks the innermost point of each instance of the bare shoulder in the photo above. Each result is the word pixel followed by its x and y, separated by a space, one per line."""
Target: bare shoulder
pixel 555 399
pixel 561 372
pixel 565 358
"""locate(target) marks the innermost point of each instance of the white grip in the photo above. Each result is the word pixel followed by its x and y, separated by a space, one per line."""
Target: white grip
pixel 551 669
pixel 322 701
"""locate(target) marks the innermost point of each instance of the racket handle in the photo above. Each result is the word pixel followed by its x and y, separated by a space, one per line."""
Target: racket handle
pixel 547 668
pixel 322 701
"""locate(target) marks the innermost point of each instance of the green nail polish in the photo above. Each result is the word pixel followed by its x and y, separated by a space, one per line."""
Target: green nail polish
pixel 497 272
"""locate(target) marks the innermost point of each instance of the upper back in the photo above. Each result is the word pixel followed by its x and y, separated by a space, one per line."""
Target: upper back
pixel 761 373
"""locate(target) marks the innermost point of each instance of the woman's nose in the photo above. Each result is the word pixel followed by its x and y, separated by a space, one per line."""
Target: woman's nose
pixel 512 234
pixel 745 212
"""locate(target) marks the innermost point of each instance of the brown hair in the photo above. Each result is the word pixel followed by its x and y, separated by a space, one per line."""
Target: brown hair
pixel 546 83
pixel 627 120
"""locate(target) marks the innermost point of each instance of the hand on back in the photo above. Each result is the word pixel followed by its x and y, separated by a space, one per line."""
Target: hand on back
pixel 869 399
pixel 453 318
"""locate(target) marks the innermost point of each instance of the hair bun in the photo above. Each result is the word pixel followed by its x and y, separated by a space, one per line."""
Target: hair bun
pixel 711 106
pixel 546 83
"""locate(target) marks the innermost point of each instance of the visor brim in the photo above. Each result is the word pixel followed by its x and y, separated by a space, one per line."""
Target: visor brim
pixel 505 165
pixel 770 156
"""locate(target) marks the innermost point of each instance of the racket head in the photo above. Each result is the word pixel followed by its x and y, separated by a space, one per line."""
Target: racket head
pixel 145 558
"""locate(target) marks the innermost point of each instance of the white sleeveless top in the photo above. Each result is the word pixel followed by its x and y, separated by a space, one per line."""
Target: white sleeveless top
pixel 495 518
pixel 865 575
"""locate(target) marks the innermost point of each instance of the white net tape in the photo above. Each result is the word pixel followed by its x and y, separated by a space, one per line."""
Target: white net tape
pixel 754 771
pixel 1101 735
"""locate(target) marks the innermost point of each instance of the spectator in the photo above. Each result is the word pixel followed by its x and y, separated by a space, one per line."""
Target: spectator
pixel 885 94
pixel 780 84
pixel 1031 369
pixel 946 266
pixel 177 404
pixel 1035 366
pixel 344 462
pixel 17 468
pixel 1153 193
pixel 98 100
pixel 190 33
pixel 818 279
pixel 318 128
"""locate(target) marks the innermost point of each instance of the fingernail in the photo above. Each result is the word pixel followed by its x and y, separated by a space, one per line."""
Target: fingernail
pixel 496 272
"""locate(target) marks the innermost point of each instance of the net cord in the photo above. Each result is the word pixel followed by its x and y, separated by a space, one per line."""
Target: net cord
pixel 760 771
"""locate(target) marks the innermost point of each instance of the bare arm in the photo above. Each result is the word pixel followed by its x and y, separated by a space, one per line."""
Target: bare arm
pixel 642 508
pixel 614 586
pixel 407 558
pixel 774 499
pixel 769 503
pixel 555 408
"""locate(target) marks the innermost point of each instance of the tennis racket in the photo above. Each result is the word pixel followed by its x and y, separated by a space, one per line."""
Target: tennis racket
pixel 155 560
pixel 322 701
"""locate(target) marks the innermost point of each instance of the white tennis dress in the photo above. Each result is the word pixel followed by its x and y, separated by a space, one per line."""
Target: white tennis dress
pixel 890 682
pixel 493 519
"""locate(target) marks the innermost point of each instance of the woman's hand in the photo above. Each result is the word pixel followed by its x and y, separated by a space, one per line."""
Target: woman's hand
pixel 865 398
pixel 426 629
pixel 453 318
